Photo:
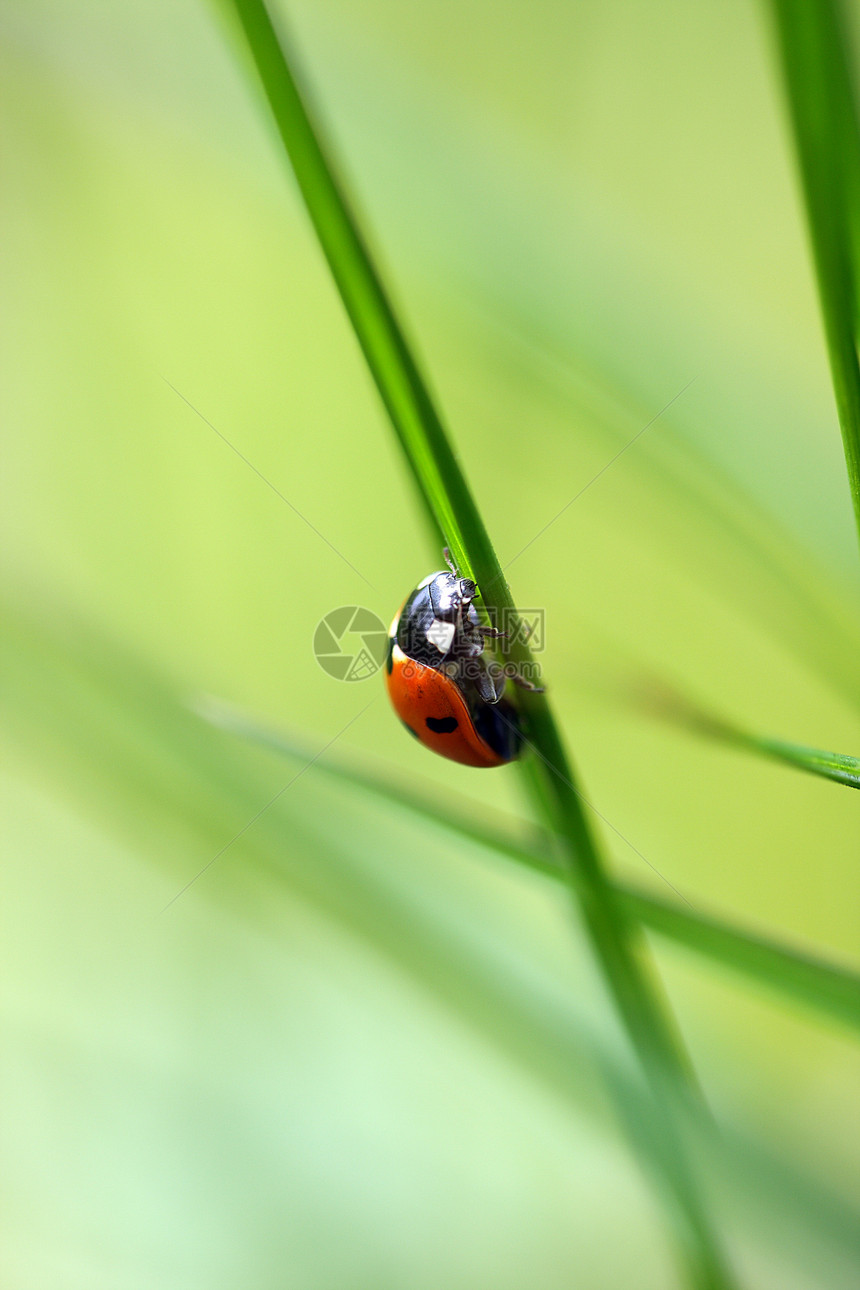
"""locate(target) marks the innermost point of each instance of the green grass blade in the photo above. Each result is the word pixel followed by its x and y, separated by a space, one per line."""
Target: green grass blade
pixel 428 453
pixel 615 937
pixel 107 729
pixel 826 988
pixel 813 51
pixel 839 767
pixel 388 355
pixel 111 734
pixel 667 702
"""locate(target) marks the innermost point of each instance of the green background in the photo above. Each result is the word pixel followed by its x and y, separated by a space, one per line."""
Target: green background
pixel 355 1053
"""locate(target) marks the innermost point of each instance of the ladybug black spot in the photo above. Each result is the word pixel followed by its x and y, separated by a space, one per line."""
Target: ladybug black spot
pixel 442 725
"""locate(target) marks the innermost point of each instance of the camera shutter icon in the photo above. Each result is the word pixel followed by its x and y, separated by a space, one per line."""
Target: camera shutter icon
pixel 350 643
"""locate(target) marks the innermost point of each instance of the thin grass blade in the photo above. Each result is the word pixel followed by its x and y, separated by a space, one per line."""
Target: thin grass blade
pixel 813 48
pixel 670 704
pixel 826 988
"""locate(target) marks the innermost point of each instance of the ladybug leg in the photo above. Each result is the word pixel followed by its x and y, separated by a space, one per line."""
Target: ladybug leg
pixel 525 684
pixel 490 632
pixel 487 677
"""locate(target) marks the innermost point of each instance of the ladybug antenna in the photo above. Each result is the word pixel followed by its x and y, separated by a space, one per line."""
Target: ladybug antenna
pixel 450 563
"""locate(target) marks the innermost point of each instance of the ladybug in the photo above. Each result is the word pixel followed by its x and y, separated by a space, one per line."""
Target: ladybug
pixel 443 689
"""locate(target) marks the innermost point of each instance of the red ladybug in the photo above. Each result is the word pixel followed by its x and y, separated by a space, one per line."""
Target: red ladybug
pixel 445 692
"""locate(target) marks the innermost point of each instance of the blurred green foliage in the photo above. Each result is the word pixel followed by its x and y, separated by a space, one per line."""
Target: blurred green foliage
pixel 354 1053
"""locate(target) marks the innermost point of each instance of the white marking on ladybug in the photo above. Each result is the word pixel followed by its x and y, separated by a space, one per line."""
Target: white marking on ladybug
pixel 441 635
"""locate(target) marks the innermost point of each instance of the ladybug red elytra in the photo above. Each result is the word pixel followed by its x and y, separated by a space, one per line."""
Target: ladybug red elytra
pixel 445 692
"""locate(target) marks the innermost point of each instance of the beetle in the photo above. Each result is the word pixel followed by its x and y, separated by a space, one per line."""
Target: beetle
pixel 446 693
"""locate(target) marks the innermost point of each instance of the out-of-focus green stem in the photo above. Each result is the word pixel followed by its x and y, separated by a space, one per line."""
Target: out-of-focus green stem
pixel 826 988
pixel 817 73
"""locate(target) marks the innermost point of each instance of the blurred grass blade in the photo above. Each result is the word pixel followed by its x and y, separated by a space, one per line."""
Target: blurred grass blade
pixel 824 987
pixel 111 734
pixel 667 702
pixel 815 62
pixel 615 938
